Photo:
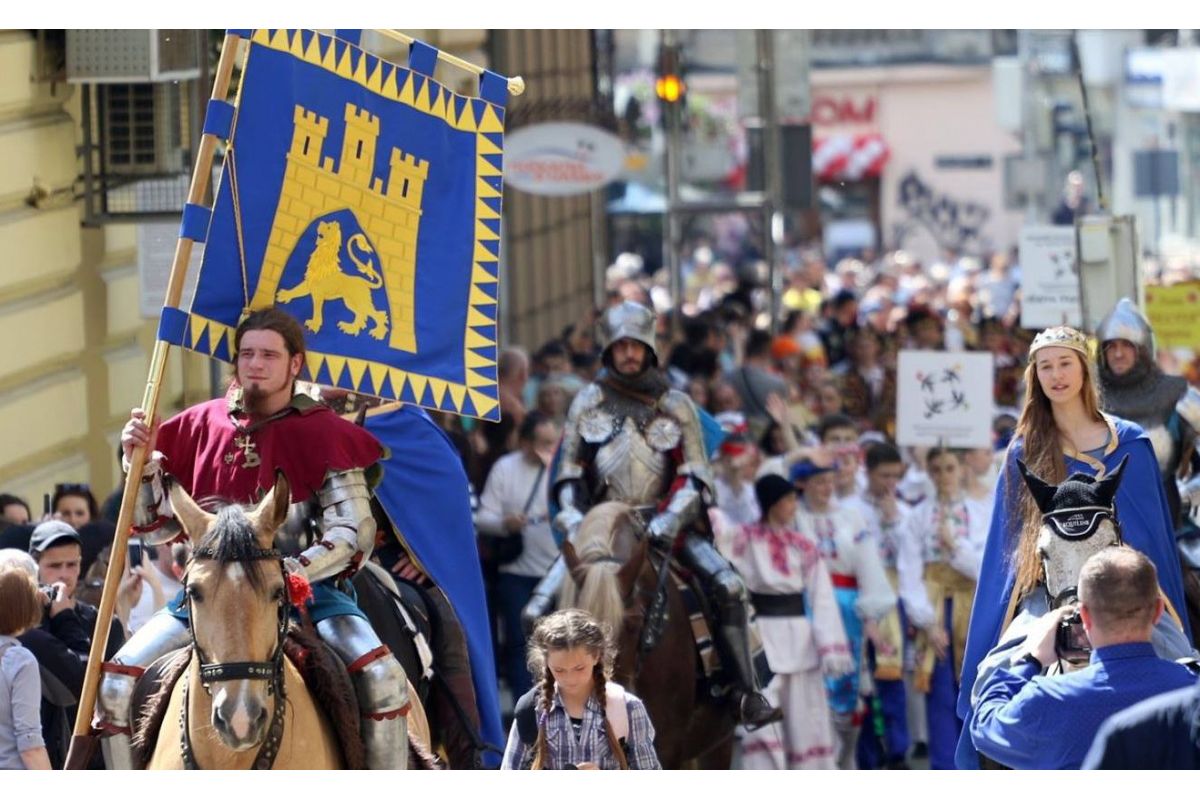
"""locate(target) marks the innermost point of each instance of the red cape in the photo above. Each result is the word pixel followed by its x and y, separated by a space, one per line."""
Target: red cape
pixel 307 443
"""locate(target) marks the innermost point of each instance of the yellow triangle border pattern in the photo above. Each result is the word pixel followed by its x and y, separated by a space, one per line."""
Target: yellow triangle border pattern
pixel 386 79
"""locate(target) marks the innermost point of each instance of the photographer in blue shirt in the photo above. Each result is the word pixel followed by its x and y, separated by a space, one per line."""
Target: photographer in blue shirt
pixel 1026 720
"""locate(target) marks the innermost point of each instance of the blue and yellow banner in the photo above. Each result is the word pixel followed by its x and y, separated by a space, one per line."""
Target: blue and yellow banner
pixel 363 198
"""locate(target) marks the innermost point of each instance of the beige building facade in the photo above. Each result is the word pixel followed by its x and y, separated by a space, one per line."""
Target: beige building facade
pixel 76 349
pixel 942 185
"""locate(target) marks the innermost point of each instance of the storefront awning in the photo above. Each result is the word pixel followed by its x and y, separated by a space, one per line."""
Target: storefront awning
pixel 847 157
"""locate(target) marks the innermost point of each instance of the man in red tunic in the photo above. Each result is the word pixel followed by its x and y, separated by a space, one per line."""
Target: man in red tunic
pixel 228 449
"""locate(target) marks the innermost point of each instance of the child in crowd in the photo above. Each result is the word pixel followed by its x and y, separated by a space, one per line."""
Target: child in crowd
pixel 574 704
pixel 21 743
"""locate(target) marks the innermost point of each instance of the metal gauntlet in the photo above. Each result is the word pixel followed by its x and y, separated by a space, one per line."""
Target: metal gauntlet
pixel 153 518
pixel 681 511
pixel 349 528
pixel 568 518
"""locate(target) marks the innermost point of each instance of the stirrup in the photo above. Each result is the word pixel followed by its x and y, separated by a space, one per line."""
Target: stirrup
pixel 755 711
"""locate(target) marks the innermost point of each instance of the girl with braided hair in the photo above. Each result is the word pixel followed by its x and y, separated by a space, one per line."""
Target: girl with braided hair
pixel 576 709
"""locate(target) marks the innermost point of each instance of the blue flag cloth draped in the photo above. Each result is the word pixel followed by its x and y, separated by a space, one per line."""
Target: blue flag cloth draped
pixel 363 198
pixel 425 493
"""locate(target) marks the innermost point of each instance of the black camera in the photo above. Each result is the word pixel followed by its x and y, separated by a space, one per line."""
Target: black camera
pixel 1071 641
pixel 52 591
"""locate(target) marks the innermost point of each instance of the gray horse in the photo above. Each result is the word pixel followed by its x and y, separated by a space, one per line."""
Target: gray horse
pixel 1078 520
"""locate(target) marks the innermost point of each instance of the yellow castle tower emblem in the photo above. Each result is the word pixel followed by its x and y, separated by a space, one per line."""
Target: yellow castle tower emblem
pixel 389 215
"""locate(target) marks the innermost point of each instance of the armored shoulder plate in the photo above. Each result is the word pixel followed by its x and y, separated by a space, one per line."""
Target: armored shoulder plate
pixel 1189 407
pixel 579 416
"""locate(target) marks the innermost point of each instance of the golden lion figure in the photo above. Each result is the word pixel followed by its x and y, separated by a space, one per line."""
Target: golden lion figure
pixel 324 280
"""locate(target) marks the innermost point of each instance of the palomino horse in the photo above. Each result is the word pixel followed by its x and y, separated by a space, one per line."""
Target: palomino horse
pixel 241 703
pixel 614 579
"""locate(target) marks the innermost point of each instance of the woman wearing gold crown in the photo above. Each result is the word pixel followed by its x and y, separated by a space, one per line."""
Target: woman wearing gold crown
pixel 1062 431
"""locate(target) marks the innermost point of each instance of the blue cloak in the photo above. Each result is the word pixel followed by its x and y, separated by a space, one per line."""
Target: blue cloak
pixel 1145 524
pixel 425 493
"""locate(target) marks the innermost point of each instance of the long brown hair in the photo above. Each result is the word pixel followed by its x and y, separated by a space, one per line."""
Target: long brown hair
pixel 566 630
pixel 1043 454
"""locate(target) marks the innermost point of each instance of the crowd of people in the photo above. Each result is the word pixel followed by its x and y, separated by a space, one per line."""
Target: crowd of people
pixel 862 559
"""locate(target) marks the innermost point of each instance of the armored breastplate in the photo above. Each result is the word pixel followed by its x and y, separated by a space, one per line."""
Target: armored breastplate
pixel 633 441
pixel 301 528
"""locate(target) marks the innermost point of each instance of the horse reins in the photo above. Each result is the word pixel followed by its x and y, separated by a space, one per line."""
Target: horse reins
pixel 271 671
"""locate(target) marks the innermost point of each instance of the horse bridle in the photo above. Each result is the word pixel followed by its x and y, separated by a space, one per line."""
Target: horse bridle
pixel 219 672
pixel 1077 525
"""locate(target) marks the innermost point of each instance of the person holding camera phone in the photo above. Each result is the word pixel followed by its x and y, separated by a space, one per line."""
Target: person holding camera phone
pixel 63 639
pixel 1025 720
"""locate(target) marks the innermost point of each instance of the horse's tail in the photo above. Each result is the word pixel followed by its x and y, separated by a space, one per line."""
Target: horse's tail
pixel 597 592
pixel 595 588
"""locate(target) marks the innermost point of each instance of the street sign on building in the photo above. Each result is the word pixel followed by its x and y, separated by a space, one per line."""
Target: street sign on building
pixel 562 158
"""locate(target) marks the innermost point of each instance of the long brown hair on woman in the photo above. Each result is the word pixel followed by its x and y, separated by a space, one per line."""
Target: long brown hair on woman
pixel 1043 454
pixel 566 630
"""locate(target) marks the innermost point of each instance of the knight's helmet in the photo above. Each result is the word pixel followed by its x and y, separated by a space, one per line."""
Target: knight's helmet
pixel 629 320
pixel 1126 322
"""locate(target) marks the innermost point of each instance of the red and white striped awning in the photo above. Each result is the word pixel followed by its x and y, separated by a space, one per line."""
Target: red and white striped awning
pixel 847 157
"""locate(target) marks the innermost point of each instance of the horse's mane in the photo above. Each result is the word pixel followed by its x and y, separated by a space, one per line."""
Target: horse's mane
pixel 232 540
pixel 598 591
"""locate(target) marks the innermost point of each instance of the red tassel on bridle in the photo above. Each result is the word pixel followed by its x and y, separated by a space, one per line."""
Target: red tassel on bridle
pixel 299 590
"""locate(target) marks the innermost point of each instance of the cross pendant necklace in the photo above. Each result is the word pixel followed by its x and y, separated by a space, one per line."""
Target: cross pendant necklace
pixel 250 457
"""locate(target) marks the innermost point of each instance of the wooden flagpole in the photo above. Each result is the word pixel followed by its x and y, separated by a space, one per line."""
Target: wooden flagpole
pixel 82 742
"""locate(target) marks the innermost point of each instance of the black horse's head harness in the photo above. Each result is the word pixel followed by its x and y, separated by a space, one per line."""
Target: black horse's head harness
pixel 218 672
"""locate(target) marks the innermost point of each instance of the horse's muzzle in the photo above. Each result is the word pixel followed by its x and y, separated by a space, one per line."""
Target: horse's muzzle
pixel 239 719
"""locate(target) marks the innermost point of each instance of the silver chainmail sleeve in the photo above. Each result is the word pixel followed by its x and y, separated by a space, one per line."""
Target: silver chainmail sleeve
pixel 349 527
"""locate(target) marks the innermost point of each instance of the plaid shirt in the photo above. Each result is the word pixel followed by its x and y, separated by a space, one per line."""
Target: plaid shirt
pixel 592 744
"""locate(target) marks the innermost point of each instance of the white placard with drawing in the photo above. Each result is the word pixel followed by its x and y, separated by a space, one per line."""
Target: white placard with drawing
pixel 1049 277
pixel 944 398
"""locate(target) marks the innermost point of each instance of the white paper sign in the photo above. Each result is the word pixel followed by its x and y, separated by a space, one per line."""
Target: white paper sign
pixel 944 398
pixel 1049 277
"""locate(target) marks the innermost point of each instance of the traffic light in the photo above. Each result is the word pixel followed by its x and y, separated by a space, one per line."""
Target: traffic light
pixel 670 86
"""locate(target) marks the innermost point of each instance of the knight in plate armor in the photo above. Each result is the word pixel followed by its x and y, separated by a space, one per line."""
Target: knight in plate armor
pixel 629 437
pixel 230 448
pixel 1166 406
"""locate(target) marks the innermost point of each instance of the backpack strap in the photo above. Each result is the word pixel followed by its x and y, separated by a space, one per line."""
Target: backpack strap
pixel 617 710
pixel 525 715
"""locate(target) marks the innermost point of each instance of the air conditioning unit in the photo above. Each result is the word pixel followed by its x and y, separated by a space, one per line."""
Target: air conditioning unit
pixel 132 56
